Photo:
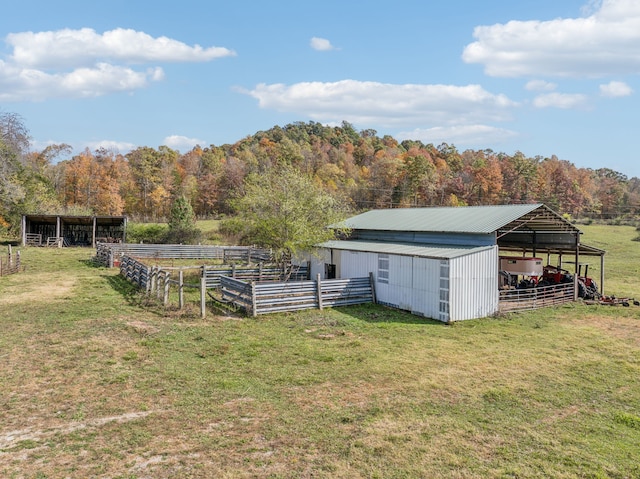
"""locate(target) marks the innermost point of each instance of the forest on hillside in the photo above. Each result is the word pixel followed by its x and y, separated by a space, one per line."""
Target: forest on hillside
pixel 359 168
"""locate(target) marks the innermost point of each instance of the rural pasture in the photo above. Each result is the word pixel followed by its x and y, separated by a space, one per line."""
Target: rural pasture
pixel 98 381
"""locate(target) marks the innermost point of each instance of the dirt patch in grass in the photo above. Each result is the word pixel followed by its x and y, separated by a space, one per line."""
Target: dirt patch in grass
pixel 10 438
pixel 143 328
pixel 45 288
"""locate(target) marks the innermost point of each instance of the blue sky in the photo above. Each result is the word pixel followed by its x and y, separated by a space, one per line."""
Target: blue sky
pixel 542 77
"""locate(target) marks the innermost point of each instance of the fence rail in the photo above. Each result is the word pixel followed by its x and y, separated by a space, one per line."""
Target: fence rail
pixel 212 274
pixel 10 264
pixel 534 298
pixel 108 253
pixel 271 297
pixel 136 272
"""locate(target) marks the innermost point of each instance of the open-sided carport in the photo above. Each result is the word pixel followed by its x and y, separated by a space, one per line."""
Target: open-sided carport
pixel 541 231
pixel 63 230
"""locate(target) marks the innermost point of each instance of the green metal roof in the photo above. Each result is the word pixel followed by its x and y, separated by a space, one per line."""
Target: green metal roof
pixel 464 219
pixel 405 249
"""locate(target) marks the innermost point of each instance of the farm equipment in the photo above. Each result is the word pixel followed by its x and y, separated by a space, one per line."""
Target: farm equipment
pixel 587 287
pixel 519 273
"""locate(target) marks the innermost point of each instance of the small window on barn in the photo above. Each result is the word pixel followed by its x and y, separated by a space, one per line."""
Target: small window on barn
pixel 383 268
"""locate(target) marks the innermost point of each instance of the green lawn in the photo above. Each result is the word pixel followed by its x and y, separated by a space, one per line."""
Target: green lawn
pixel 98 382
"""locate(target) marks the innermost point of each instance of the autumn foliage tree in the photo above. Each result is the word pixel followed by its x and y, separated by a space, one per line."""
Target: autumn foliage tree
pixel 358 168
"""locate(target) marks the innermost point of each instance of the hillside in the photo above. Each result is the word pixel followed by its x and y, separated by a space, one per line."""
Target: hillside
pixel 360 168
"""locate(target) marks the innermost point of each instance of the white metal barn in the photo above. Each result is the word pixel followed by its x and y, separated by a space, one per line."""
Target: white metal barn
pixel 443 263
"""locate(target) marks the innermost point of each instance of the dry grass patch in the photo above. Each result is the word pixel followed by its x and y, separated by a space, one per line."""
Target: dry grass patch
pixel 39 288
pixel 625 328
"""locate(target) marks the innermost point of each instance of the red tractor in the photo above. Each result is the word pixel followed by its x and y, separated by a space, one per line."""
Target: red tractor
pixel 587 287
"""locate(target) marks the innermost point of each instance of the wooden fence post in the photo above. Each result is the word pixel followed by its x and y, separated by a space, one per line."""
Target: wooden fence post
pixel 153 280
pixel 180 289
pixel 203 294
pixel 167 285
pixel 159 285
pixel 319 291
pixel 372 282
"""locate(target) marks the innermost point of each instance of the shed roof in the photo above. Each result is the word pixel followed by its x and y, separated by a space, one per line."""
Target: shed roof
pixel 406 249
pixel 77 219
pixel 467 219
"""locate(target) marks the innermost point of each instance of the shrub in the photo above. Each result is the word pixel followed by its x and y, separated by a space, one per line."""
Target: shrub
pixel 182 236
pixel 146 233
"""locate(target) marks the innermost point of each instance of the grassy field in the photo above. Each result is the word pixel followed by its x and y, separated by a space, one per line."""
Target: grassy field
pixel 95 382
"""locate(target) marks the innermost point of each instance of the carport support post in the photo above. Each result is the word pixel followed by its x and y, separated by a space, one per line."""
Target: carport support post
pixel 575 276
pixel 93 233
pixel 602 274
pixel 24 230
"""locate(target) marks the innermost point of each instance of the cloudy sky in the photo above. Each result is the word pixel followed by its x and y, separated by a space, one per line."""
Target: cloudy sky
pixel 542 77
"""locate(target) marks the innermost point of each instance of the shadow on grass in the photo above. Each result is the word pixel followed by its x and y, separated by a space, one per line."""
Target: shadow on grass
pixel 92 263
pixel 122 286
pixel 377 313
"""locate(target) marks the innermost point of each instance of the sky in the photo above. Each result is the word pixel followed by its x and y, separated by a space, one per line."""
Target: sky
pixel 543 77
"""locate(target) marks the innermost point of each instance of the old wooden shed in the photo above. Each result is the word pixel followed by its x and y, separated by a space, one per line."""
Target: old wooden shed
pixel 64 230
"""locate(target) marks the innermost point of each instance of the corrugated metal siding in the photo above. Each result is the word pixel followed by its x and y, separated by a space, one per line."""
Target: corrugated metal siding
pixel 426 278
pixel 406 249
pixel 454 289
pixel 474 285
pixel 355 264
pixel 452 239
pixel 318 261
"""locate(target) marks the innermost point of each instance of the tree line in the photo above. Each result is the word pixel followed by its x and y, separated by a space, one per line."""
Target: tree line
pixel 358 168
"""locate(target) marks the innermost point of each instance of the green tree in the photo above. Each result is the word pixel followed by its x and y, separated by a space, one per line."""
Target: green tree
pixel 182 223
pixel 286 211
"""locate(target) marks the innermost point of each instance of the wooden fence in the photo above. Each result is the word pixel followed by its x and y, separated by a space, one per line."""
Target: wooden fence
pixel 108 254
pixel 534 298
pixel 157 281
pixel 136 272
pixel 272 297
pixel 10 263
pixel 212 274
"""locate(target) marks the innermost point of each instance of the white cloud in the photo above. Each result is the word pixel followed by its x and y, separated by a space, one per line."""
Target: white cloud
pixel 615 89
pixel 81 63
pixel 72 48
pixel 321 44
pixel 459 135
pixel 604 43
pixel 540 85
pixel 21 84
pixel 181 143
pixel 564 101
pixel 121 147
pixel 385 104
